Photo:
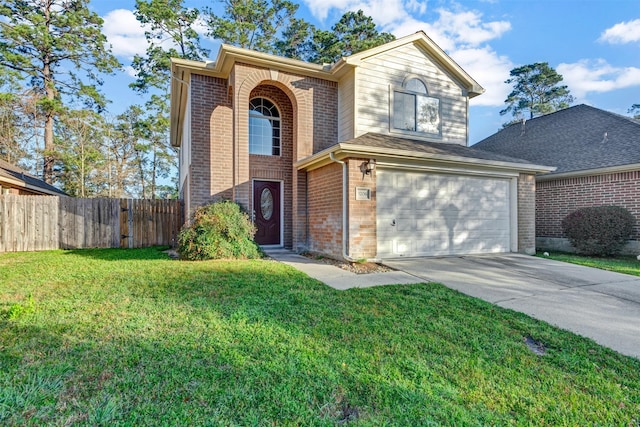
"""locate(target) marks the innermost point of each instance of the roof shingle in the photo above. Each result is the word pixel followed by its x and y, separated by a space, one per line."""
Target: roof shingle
pixel 574 139
pixel 441 148
pixel 14 172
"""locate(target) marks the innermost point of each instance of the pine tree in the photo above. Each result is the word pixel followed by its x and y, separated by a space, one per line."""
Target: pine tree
pixel 57 48
pixel 536 90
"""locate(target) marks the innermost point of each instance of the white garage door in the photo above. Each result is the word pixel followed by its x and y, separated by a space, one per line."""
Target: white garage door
pixel 423 214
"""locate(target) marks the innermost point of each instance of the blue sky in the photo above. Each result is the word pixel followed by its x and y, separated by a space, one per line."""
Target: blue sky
pixel 594 44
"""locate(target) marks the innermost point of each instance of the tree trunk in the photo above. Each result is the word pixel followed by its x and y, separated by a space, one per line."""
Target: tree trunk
pixel 49 145
pixel 153 176
pixel 47 171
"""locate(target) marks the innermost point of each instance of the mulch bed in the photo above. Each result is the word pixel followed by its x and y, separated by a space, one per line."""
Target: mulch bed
pixel 354 267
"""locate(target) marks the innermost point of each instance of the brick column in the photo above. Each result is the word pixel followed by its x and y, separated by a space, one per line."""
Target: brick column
pixel 527 214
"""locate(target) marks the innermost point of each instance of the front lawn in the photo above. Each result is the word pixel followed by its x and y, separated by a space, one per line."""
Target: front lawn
pixel 129 337
pixel 620 264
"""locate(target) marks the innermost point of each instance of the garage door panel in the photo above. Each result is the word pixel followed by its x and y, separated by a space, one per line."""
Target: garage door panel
pixel 439 214
pixel 405 224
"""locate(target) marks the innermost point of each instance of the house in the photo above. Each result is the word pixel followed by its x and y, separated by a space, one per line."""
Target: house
pixel 366 158
pixel 597 158
pixel 14 180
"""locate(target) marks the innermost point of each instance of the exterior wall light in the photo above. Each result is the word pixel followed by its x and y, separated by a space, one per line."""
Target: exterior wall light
pixel 368 166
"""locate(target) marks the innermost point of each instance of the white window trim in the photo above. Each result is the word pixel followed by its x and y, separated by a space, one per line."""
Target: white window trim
pixel 392 90
pixel 279 119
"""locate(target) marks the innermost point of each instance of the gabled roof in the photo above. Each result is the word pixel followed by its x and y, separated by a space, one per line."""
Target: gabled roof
pixel 421 39
pixel 16 177
pixel 578 140
pixel 416 151
pixel 228 55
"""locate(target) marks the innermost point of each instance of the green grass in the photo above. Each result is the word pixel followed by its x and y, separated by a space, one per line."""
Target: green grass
pixel 129 337
pixel 619 264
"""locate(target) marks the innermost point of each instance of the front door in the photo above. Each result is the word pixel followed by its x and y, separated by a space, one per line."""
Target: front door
pixel 266 212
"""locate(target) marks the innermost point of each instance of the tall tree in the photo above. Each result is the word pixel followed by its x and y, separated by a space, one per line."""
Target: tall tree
pixel 296 40
pixel 635 110
pixel 120 139
pixel 170 34
pixel 156 157
pixel 80 135
pixel 11 130
pixel 251 24
pixel 536 90
pixel 353 33
pixel 49 43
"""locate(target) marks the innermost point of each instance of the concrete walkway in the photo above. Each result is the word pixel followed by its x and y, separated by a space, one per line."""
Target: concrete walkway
pixel 597 304
pixel 338 278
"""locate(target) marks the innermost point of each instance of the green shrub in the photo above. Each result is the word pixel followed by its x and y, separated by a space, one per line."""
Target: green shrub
pixel 218 231
pixel 598 230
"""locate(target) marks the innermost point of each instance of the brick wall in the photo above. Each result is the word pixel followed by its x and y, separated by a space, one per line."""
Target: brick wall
pixel 314 124
pixel 526 214
pixel 280 167
pixel 557 198
pixel 325 210
pixel 325 113
pixel 362 213
pixel 211 141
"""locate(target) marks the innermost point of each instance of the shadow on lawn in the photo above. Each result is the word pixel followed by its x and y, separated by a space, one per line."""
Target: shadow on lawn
pixel 229 343
pixel 118 254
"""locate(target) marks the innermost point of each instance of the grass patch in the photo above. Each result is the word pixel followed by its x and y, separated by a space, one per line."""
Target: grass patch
pixel 129 337
pixel 619 264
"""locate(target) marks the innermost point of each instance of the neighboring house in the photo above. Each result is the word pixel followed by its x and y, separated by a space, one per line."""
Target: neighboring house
pixel 597 156
pixel 14 180
pixel 364 158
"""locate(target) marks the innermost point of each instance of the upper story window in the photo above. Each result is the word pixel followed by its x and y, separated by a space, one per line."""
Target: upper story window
pixel 414 110
pixel 264 127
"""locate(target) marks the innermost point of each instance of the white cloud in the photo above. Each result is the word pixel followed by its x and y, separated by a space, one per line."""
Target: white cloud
pixel 463 34
pixel 467 27
pixel 320 8
pixel 130 71
pixel 490 70
pixel 415 6
pixel 623 32
pixel 597 76
pixel 125 33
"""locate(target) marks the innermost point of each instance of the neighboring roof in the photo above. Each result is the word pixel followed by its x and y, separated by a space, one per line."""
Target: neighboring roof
pixel 578 140
pixel 19 178
pixel 389 146
pixel 228 55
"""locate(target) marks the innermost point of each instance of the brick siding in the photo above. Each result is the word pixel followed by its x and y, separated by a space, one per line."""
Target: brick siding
pixel 557 198
pixel 279 168
pixel 526 214
pixel 309 124
pixel 362 213
pixel 211 141
pixel 325 210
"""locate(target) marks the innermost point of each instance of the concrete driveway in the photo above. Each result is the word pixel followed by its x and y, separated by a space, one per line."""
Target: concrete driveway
pixel 597 304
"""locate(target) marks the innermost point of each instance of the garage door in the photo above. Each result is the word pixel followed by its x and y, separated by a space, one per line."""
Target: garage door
pixel 423 214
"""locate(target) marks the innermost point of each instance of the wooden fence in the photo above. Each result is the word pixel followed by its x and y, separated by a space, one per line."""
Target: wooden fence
pixel 33 223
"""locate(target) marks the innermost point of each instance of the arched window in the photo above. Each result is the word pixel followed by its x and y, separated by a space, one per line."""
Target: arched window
pixel 264 127
pixel 414 110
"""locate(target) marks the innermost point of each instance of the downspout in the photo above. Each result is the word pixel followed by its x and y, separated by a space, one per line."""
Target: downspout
pixel 345 201
pixel 187 196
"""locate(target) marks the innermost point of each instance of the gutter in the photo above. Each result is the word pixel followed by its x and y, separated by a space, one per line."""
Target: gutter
pixel 589 172
pixel 345 200
pixel 386 153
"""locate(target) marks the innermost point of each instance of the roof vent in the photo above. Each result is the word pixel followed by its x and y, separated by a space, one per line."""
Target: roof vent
pixel 605 138
pixel 523 124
